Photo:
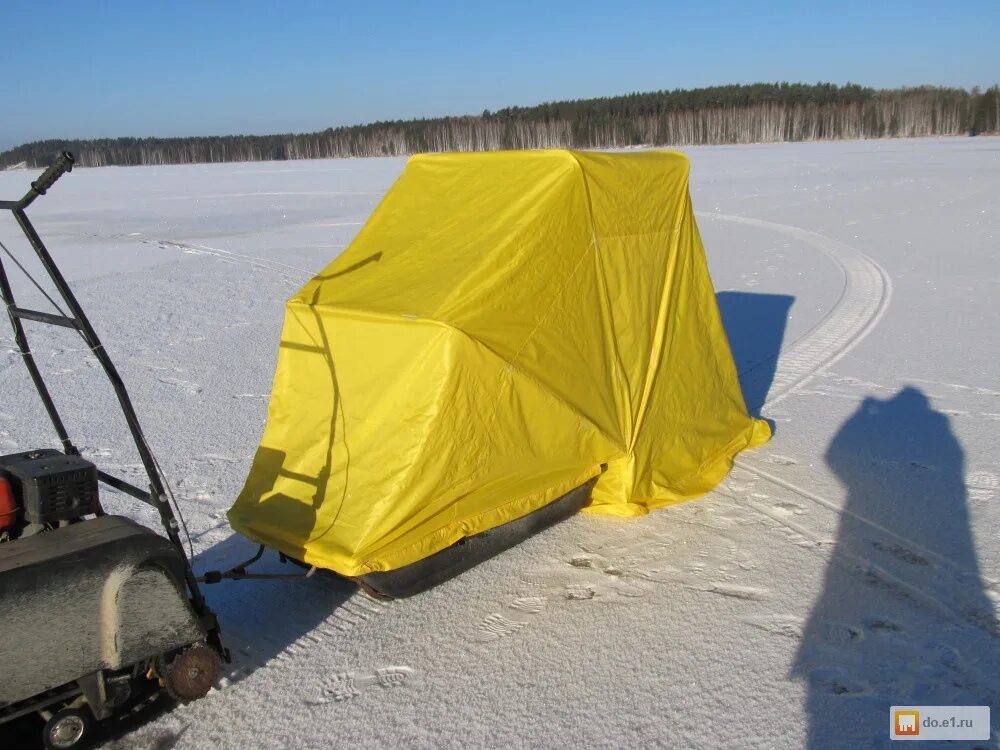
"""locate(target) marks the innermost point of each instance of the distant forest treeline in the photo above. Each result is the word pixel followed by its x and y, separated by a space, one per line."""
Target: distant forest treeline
pixel 756 113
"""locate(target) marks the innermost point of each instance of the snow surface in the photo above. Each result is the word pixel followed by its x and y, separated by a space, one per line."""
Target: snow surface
pixel 849 565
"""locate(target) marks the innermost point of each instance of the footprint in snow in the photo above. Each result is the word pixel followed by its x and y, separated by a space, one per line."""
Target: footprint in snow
pixel 787 508
pixel 747 593
pixel 842 634
pixel 531 604
pixel 884 626
pixel 96 452
pixel 787 626
pixel 837 682
pixel 345 686
pixel 214 458
pixel 579 593
pixel 495 626
pixel 901 553
pixel 613 571
pixel 607 576
pixel 982 485
pixel 184 385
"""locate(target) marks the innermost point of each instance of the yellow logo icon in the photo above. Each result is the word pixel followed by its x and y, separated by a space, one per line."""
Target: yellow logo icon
pixel 907 723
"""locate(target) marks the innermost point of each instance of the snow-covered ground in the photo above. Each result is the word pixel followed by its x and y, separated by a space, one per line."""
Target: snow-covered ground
pixel 851 564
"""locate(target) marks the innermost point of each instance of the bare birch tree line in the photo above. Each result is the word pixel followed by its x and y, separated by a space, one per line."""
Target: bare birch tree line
pixel 761 113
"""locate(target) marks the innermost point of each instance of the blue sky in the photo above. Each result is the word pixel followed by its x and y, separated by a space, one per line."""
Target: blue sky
pixel 90 69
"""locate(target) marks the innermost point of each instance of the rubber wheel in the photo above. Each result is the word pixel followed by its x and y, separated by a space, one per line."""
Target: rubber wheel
pixel 68 728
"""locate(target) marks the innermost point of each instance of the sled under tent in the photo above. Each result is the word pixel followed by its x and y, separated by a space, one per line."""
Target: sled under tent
pixel 506 327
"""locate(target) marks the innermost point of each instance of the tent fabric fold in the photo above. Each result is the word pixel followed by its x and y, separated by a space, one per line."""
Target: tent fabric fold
pixel 505 327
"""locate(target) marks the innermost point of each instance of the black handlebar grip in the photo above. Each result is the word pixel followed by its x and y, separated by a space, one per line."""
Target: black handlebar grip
pixel 62 164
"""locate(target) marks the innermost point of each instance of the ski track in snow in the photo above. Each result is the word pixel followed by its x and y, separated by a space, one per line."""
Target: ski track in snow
pixel 954 607
pixel 866 294
pixel 301 275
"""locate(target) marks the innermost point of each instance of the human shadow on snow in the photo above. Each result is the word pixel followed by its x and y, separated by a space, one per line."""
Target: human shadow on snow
pixel 903 617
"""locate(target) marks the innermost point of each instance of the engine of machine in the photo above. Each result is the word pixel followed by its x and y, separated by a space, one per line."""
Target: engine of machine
pixel 44 489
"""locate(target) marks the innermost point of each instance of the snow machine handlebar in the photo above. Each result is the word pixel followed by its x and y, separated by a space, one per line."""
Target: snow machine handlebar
pixel 62 164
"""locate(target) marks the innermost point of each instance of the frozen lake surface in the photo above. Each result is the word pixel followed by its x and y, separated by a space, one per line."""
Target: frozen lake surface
pixel 849 565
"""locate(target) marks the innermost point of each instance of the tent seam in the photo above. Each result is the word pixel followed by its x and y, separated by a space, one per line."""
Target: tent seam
pixel 660 335
pixel 595 243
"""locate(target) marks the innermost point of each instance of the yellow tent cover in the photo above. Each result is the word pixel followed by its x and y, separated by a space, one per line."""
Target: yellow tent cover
pixel 505 327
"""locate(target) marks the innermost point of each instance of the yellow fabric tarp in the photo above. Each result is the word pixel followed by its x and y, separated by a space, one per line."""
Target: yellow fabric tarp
pixel 503 326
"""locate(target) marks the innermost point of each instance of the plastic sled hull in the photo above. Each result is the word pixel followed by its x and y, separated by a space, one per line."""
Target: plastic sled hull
pixel 469 552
